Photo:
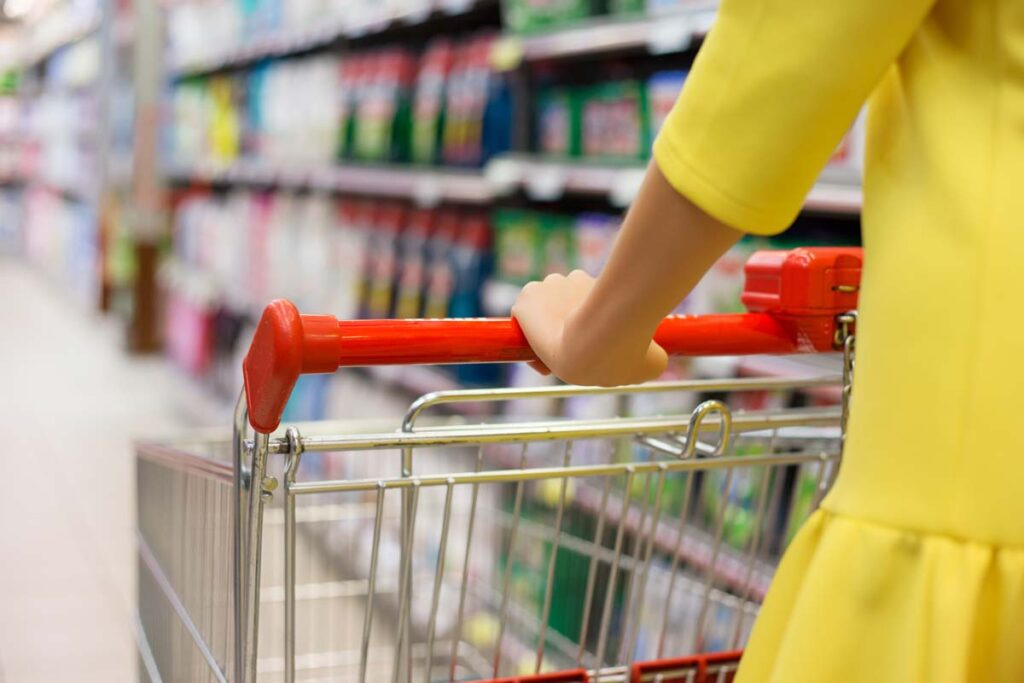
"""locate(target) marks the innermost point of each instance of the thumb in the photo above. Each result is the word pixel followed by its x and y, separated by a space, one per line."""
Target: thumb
pixel 655 362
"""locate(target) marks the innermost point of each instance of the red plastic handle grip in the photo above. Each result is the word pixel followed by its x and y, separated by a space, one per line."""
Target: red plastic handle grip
pixel 795 297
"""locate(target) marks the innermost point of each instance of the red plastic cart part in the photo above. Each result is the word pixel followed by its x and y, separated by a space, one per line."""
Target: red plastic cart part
pixel 573 676
pixel 677 670
pixel 793 297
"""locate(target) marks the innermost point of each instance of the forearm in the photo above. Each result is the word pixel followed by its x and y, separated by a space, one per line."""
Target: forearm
pixel 665 246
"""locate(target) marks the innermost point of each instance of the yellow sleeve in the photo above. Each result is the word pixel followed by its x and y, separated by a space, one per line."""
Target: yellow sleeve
pixel 772 91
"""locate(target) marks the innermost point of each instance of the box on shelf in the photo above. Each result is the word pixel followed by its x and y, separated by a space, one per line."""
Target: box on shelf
pixel 517 240
pixel 616 125
pixel 558 122
pixel 594 234
pixel 528 16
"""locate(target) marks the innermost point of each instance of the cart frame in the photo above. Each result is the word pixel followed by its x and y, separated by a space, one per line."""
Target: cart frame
pixel 682 439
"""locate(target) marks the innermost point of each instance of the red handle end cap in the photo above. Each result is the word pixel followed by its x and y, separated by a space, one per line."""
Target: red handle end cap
pixel 273 364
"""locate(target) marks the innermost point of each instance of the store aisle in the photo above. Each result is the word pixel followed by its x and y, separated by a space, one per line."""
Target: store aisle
pixel 70 403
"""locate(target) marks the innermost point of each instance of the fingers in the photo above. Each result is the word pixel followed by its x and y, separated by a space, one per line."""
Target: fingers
pixel 542 309
pixel 539 367
pixel 655 362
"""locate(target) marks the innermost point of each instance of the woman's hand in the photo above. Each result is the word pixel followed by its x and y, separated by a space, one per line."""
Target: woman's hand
pixel 598 332
pixel 548 313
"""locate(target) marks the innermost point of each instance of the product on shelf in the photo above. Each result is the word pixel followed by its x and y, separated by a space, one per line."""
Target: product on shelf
pixel 225 121
pixel 290 131
pixel 594 234
pixel 440 270
pixel 626 6
pixel 616 125
pixel 428 115
pixel 558 122
pixel 660 7
pixel 388 225
pixel 60 235
pixel 412 270
pixel 382 113
pixel 613 121
pixel 478 107
pixel 532 244
pixel 663 90
pixel 10 220
pixel 517 234
pixel 471 266
pixel 367 106
pixel 526 16
pixel 557 244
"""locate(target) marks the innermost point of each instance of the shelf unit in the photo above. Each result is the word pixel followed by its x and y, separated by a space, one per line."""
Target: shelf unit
pixel 546 179
pixel 426 186
pixel 510 177
pixel 539 178
pixel 290 42
pixel 660 34
pixel 39 48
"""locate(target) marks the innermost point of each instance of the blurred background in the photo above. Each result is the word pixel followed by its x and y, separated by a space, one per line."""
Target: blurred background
pixel 167 167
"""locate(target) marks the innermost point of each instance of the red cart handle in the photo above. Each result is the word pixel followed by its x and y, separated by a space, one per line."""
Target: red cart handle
pixel 793 298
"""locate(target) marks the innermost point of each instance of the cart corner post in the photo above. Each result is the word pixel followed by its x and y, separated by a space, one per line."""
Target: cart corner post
pixel 294 441
pixel 252 488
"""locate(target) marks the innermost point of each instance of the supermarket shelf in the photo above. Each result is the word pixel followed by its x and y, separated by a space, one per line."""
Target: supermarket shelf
pixel 666 34
pixel 283 43
pixel 39 50
pixel 540 178
pixel 547 179
pixel 425 186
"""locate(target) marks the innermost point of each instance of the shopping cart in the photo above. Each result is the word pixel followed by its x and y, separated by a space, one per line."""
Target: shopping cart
pixel 610 534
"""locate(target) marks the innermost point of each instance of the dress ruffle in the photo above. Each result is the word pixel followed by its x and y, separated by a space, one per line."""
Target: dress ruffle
pixel 856 601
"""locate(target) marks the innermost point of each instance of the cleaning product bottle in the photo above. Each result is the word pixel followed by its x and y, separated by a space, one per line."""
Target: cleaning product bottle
pixel 412 276
pixel 384 269
pixel 428 107
pixel 351 243
pixel 440 274
pixel 471 266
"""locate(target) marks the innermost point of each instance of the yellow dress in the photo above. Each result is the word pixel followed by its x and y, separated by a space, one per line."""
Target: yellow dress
pixel 913 570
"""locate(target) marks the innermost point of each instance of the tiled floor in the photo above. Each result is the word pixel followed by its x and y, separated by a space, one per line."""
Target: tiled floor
pixel 70 403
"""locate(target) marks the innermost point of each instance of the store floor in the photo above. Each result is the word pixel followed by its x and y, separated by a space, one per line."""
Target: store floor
pixel 70 404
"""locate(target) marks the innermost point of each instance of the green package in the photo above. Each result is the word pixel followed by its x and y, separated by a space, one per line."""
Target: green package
pixel 557 244
pixel 626 6
pixel 615 121
pixel 428 113
pixel 527 16
pixel 558 122
pixel 384 110
pixel 427 124
pixel 517 235
pixel 383 138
